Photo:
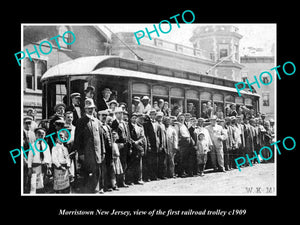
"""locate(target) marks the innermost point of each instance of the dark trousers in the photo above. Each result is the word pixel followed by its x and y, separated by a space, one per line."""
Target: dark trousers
pixel 226 156
pixel 184 166
pixel 193 161
pixel 93 180
pixel 109 180
pixel 162 164
pixel 26 179
pixel 134 169
pixel 233 154
pixel 152 165
pixel 145 166
pixel 124 161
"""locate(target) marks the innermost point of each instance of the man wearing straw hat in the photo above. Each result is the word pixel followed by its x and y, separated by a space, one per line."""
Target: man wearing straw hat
pixel 217 136
pixel 89 142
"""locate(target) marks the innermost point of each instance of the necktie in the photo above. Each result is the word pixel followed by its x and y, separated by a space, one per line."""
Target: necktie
pixel 41 153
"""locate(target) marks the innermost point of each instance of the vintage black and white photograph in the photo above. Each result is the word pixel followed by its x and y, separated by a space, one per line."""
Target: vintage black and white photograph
pixel 148 109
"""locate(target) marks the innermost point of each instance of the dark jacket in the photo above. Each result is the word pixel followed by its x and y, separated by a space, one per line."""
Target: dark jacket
pixel 89 141
pixel 150 135
pixel 75 115
pixel 101 104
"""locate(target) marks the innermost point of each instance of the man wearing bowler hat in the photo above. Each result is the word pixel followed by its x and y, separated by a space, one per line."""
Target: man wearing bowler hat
pixel 89 142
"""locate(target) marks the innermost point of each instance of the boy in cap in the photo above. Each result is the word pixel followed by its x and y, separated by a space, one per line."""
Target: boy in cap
pixel 117 175
pixel 61 163
pixel 39 162
pixel 202 148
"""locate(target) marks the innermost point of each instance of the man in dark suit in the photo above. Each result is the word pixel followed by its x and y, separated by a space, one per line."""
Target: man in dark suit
pixel 89 142
pixel 121 127
pixel 103 102
pixel 151 156
pixel 75 107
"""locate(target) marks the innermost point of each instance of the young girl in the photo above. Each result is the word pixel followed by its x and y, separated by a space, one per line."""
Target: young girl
pixel 117 166
pixel 201 152
pixel 61 163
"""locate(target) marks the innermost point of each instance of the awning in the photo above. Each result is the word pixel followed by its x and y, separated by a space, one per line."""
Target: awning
pixel 148 76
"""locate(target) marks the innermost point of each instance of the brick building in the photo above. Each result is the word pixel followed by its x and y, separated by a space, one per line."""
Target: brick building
pixel 214 44
pixel 254 66
pixel 90 41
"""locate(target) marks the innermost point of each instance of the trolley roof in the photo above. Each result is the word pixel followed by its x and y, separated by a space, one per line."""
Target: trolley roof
pixel 95 65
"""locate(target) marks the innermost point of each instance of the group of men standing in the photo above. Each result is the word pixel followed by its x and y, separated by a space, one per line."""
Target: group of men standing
pixel 110 151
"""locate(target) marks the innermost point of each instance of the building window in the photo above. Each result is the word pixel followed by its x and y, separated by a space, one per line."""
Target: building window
pixel 179 48
pixel 29 74
pixel 41 69
pixel 67 37
pixel 33 72
pixel 236 52
pixel 265 79
pixel 29 81
pixel 158 43
pixel 223 50
pixel 266 98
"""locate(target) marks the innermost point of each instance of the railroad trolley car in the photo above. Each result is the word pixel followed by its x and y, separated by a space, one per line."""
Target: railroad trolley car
pixel 128 77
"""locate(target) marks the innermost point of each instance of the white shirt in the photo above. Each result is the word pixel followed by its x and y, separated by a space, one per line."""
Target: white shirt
pixel 72 134
pixel 172 137
pixel 144 109
pixel 60 155
pixel 206 134
pixel 36 158
pixel 183 131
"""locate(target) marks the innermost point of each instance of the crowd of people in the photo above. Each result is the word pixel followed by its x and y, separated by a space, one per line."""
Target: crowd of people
pixel 109 149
